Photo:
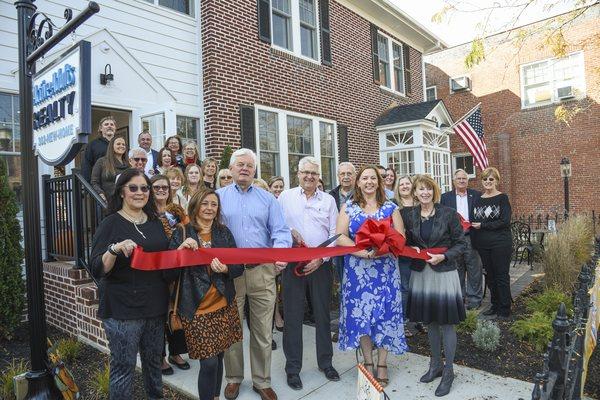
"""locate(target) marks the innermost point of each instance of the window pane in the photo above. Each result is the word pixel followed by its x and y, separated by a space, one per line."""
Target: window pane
pixel 307 39
pixel 155 124
pixel 327 172
pixel 327 154
pixel 10 139
pixel 268 131
pixel 384 60
pixel 184 6
pixel 326 134
pixel 398 68
pixel 299 131
pixel 14 175
pixel 282 5
pixel 187 128
pixel 269 165
pixel 281 31
pixel 431 95
pixel 307 12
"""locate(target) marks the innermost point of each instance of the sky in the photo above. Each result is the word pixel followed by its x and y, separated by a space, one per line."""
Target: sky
pixel 462 27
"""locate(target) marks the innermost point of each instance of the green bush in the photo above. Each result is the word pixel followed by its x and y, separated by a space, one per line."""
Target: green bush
pixel 16 367
pixel 547 303
pixel 535 329
pixel 68 349
pixel 486 336
pixel 12 286
pixel 100 383
pixel 469 324
pixel 225 157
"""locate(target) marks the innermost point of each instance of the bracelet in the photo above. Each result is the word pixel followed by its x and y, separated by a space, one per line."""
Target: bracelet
pixel 111 250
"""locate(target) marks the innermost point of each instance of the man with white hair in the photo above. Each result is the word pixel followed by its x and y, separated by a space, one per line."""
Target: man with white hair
pixel 138 158
pixel 256 220
pixel 311 215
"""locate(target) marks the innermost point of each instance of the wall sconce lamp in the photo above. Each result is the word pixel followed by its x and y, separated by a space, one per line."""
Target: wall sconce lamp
pixel 107 76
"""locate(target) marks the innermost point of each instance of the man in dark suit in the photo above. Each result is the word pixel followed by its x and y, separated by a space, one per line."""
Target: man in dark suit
pixel 462 199
pixel 145 142
pixel 97 147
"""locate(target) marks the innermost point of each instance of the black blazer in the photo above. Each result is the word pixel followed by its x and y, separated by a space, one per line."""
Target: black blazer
pixel 447 232
pixel 449 200
pixel 154 160
pixel 195 281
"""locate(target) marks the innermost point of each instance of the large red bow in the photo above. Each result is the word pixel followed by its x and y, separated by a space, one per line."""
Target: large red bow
pixel 380 235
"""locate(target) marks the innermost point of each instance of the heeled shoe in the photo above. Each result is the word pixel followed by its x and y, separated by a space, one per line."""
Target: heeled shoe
pixel 432 374
pixel 446 382
pixel 382 381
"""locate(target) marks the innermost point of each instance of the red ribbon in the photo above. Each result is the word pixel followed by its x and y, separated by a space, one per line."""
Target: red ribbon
pixel 466 225
pixel 376 234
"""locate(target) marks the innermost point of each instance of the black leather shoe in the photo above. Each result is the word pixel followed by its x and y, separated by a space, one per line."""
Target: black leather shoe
pixel 330 373
pixel 490 311
pixel 167 371
pixel 183 366
pixel 432 374
pixel 293 381
pixel 446 383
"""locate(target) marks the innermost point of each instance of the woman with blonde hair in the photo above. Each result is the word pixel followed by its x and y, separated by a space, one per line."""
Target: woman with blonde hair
pixel 209 172
pixel 177 180
pixel 191 154
pixel 224 178
pixel 193 183
pixel 276 185
pixel 492 239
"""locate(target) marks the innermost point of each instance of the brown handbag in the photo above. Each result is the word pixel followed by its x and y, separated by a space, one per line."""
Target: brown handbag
pixel 174 321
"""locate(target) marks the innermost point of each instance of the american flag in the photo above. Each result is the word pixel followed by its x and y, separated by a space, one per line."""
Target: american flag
pixel 470 130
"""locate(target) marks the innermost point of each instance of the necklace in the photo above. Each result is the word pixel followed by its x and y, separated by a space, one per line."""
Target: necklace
pixel 134 221
pixel 428 216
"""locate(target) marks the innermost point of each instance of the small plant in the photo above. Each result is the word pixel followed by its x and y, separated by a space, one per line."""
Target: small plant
pixel 225 157
pixel 548 302
pixel 68 349
pixel 486 336
pixel 535 329
pixel 100 383
pixel 469 324
pixel 16 367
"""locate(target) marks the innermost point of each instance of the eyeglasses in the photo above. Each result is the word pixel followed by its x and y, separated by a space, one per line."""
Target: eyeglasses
pixel 346 173
pixel 138 159
pixel 135 188
pixel 226 177
pixel 158 188
pixel 489 179
pixel 244 165
pixel 311 173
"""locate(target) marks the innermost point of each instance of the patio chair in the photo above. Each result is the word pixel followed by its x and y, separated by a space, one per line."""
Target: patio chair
pixel 521 242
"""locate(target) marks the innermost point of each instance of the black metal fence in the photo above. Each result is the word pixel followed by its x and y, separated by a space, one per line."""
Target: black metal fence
pixel 541 222
pixel 72 212
pixel 560 378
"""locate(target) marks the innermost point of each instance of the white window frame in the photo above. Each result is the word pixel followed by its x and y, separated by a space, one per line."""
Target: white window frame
pixel 579 79
pixel 283 139
pixel 455 167
pixel 192 13
pixel 390 67
pixel 296 49
pixel 434 87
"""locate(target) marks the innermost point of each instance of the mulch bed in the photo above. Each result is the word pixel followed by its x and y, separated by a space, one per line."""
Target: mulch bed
pixel 513 358
pixel 84 368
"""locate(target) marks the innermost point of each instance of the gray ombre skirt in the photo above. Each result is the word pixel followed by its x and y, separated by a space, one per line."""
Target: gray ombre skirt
pixel 435 297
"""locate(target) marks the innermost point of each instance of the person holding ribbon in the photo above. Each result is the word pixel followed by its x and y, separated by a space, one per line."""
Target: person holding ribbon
pixel 435 296
pixel 371 306
pixel 207 304
pixel 133 303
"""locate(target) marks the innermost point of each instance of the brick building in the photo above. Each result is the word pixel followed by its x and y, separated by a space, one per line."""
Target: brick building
pixel 519 90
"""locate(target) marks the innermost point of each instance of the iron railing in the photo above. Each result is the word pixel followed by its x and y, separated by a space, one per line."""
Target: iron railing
pixel 560 378
pixel 540 222
pixel 73 211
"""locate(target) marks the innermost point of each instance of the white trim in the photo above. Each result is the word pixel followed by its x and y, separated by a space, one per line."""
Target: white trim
pixel 454 168
pixel 296 39
pixel 552 82
pixel 390 47
pixel 434 87
pixel 424 79
pixel 160 9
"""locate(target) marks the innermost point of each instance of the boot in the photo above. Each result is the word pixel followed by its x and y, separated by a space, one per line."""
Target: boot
pixel 446 382
pixel 435 371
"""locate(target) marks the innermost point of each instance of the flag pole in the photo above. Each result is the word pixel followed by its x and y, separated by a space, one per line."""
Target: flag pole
pixel 467 115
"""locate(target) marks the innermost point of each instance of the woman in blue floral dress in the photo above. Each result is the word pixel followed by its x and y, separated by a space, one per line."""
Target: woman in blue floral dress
pixel 371 306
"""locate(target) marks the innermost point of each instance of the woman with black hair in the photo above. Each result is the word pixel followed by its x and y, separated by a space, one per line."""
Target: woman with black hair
pixel 133 303
pixel 174 144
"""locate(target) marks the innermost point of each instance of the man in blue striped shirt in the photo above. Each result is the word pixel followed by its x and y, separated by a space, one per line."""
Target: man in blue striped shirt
pixel 256 220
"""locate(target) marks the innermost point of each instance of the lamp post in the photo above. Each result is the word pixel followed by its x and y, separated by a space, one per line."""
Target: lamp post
pixel 565 172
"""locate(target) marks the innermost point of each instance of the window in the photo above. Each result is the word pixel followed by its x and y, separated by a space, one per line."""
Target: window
pixel 182 6
pixel 187 128
pixel 155 124
pixel 402 161
pixel 464 161
pixel 10 141
pixel 437 165
pixel 552 80
pixel 431 93
pixel 295 25
pixel 285 137
pixel 391 73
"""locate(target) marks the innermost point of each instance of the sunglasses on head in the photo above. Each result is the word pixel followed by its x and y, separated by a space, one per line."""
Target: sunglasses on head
pixel 135 188
pixel 158 188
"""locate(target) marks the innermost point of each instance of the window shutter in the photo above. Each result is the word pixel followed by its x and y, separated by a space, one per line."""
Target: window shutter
pixel 325 32
pixel 264 21
pixel 343 143
pixel 375 51
pixel 407 70
pixel 247 127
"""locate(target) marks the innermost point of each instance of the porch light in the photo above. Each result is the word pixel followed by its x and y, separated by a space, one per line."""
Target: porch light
pixel 565 168
pixel 107 76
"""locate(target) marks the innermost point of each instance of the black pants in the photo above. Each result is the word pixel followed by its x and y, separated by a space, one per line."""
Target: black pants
pixel 176 341
pixel 496 263
pixel 293 290
pixel 210 377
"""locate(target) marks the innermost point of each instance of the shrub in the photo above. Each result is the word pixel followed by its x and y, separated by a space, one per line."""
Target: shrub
pixel 469 324
pixel 535 329
pixel 547 303
pixel 566 252
pixel 99 383
pixel 68 349
pixel 225 157
pixel 12 286
pixel 486 336
pixel 16 367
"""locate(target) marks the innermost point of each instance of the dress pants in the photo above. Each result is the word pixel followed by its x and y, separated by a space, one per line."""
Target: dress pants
pixel 319 285
pixel 496 262
pixel 258 284
pixel 469 264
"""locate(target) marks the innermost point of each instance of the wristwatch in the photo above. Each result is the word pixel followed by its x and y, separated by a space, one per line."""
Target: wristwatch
pixel 111 249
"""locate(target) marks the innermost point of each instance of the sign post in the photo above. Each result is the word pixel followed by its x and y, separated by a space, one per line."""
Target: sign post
pixel 32 46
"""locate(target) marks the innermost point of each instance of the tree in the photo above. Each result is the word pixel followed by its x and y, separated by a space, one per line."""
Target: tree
pixel 225 157
pixel 12 286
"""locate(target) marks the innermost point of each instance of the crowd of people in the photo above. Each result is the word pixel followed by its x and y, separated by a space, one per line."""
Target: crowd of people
pixel 170 199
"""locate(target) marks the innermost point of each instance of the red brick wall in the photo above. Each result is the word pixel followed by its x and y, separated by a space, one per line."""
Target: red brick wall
pixel 527 145
pixel 240 69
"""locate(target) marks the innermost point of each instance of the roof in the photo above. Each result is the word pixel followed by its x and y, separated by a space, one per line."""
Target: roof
pixel 410 112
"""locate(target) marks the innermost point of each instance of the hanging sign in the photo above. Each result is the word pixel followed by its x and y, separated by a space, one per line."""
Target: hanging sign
pixel 62 106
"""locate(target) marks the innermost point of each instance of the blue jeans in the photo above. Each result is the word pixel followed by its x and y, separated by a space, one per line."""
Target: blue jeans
pixel 125 338
pixel 404 266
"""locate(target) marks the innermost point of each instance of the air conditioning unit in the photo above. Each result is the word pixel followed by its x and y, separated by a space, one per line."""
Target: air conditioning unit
pixel 565 92
pixel 460 83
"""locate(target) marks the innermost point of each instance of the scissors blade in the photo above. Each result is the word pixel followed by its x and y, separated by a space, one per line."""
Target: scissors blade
pixel 330 240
